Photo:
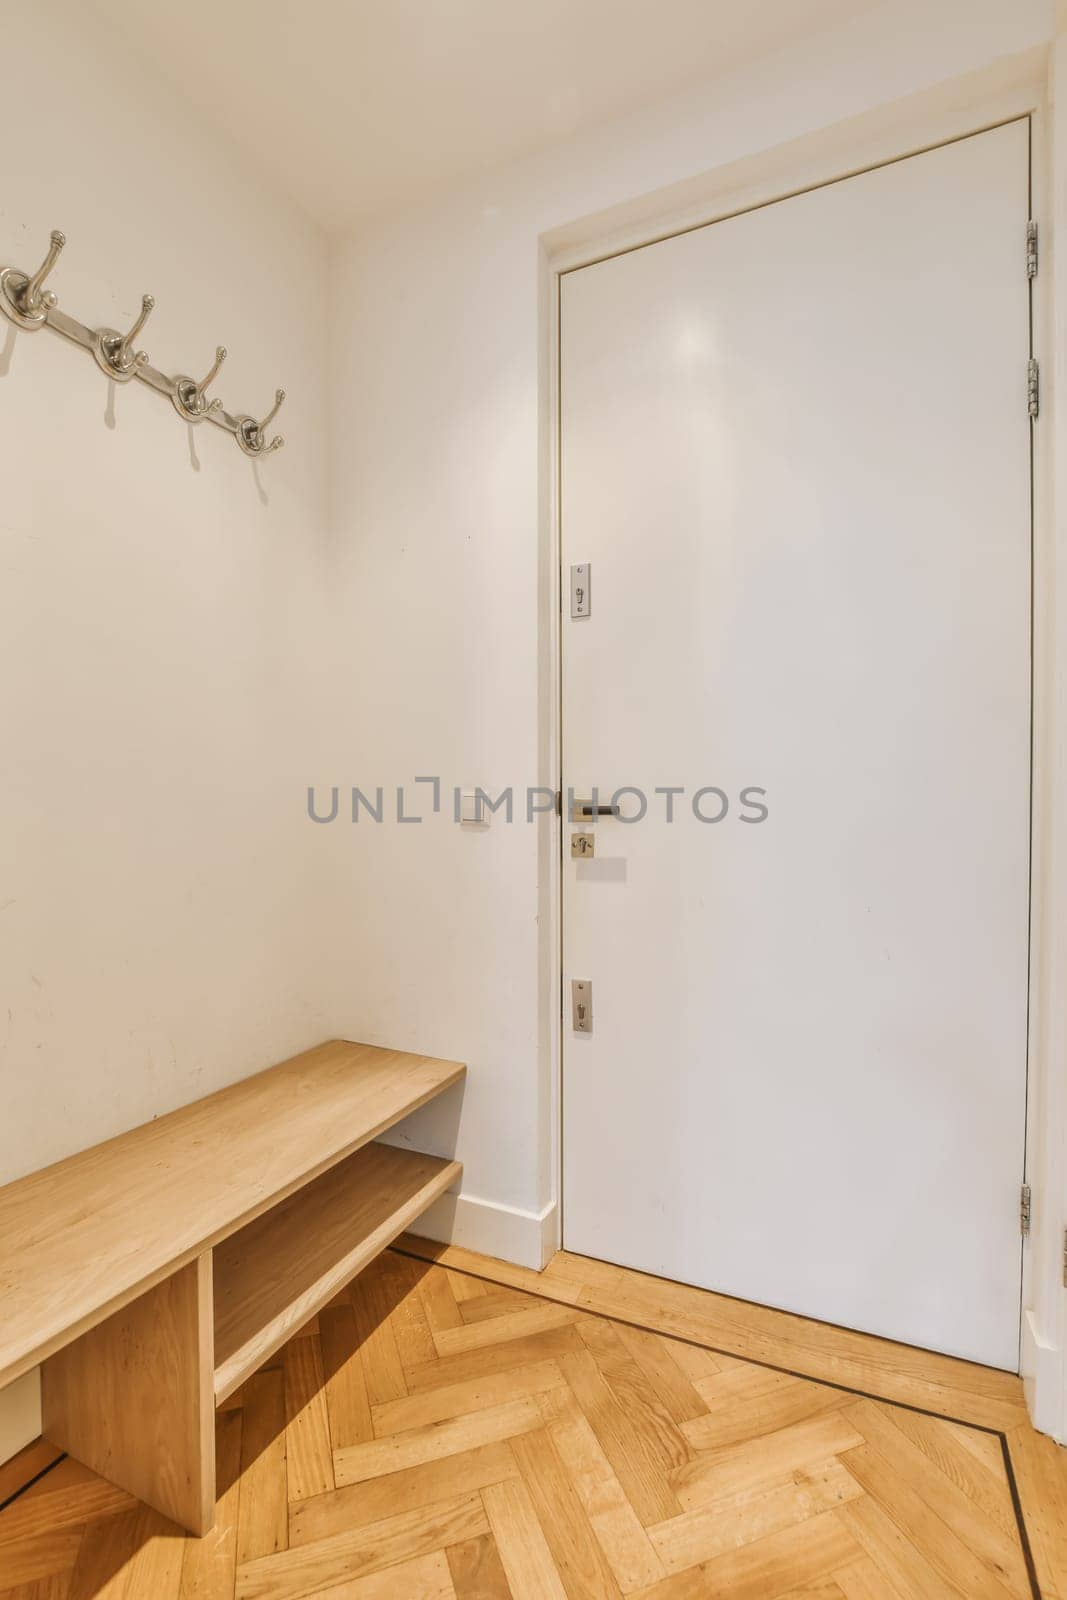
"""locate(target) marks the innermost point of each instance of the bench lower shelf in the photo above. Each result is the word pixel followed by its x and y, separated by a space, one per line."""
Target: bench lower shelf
pixel 276 1273
pixel 134 1397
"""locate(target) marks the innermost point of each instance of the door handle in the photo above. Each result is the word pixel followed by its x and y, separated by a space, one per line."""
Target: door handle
pixel 586 808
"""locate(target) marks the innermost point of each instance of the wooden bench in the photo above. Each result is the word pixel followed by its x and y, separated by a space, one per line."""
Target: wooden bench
pixel 150 1275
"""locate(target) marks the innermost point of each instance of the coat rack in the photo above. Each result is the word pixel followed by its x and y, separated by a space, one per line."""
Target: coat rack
pixel 26 302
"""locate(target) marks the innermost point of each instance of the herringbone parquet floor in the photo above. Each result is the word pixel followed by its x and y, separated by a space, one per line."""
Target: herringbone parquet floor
pixel 432 1436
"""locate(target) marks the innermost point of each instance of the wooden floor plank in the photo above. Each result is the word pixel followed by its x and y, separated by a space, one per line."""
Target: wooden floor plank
pixel 985 1447
pixel 691 1585
pixel 769 1568
pixel 382 1366
pixel 105 1557
pixel 428 1578
pixel 959 1563
pixel 632 1449
pixel 696 1362
pixel 769 1401
pixel 263 1500
pixel 57 1587
pixel 347 1403
pixel 564 1277
pixel 576 1551
pixel 439 1302
pixel 536 1318
pixel 663 1442
pixel 675 1392
pixel 66 1497
pixel 477 1570
pixel 308 1451
pixel 411 1490
pixel 699 1536
pixel 739 1382
pixel 978 1473
pixel 1040 1468
pixel 458 1399
pixel 621 1534
pixel 903 1570
pixel 862 1580
pixel 209 1565
pixel 531 1572
pixel 156 1565
pixel 816 1591
pixel 25 1466
pixel 419 1445
pixel 490 1303
pixel 411 1326
pixel 946 1500
pixel 829 1589
pixel 521 1352
pixel 43 1554
pixel 310 1568
pixel 464 1287
pixel 741 1468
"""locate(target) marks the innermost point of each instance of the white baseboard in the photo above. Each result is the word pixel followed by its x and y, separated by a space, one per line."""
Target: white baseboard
pixel 1042 1371
pixel 20 1414
pixel 526 1238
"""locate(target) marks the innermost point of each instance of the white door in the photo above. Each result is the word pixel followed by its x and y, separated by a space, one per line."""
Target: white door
pixel 796 459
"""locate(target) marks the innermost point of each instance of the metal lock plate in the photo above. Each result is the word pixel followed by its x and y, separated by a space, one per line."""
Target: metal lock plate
pixel 580 580
pixel 581 1005
pixel 583 845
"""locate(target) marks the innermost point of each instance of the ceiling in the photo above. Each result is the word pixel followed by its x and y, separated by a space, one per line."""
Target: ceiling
pixel 357 105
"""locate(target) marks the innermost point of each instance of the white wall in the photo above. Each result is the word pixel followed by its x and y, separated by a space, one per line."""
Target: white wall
pixel 160 616
pixel 440 505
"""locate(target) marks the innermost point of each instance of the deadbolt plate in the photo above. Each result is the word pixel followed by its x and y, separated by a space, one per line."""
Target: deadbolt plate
pixel 583 845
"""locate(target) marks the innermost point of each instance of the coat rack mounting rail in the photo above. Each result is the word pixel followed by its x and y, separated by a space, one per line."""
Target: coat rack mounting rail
pixel 26 302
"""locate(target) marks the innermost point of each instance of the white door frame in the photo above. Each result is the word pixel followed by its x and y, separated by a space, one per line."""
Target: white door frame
pixel 1015 88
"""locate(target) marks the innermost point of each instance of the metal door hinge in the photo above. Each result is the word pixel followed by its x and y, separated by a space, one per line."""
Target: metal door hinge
pixel 1033 387
pixel 1031 249
pixel 1024 1210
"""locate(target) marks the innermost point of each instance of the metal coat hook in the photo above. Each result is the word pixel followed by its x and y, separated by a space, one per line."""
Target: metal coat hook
pixel 251 435
pixel 115 352
pixel 26 302
pixel 190 398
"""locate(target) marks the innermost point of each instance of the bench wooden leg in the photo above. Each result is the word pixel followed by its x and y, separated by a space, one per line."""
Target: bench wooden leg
pixel 134 1399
